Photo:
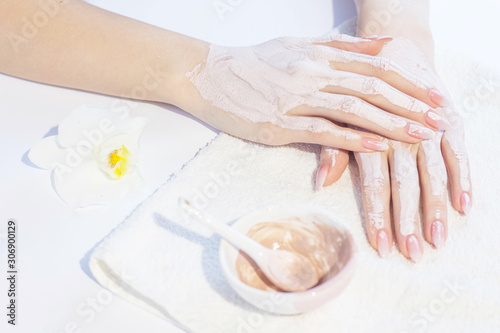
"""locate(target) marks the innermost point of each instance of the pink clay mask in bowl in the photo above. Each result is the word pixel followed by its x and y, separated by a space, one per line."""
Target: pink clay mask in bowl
pixel 310 231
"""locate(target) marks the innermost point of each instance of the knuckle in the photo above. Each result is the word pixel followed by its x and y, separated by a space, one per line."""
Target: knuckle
pixel 436 205
pixel 342 137
pixel 383 64
pixel 405 169
pixel 350 104
pixel 392 122
pixel 373 86
pixel 330 151
pixel 414 105
pixel 298 66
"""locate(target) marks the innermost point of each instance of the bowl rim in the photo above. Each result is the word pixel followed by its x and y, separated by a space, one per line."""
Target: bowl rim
pixel 309 292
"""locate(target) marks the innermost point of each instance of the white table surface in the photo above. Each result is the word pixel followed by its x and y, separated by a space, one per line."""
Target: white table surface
pixel 55 292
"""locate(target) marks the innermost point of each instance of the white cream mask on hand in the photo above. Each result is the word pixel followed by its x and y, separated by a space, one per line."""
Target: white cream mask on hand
pixel 416 63
pixel 263 83
pixel 435 164
pixel 406 175
pixel 457 144
pixel 332 154
pixel 373 189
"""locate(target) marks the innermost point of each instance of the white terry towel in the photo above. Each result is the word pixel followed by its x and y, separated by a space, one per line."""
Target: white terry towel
pixel 170 267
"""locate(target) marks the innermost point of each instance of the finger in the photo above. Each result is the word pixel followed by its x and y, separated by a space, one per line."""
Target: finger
pixel 384 69
pixel 382 95
pixel 433 181
pixel 323 132
pixel 457 165
pixel 405 199
pixel 354 111
pixel 375 191
pixel 332 165
pixel 368 45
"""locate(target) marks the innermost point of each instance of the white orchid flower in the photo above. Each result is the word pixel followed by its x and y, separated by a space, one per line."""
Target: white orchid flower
pixel 93 157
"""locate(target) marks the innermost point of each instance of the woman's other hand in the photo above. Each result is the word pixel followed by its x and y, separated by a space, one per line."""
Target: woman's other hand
pixel 406 173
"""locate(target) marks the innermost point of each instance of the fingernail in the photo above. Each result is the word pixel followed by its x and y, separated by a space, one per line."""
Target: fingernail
pixel 465 202
pixel 419 132
pixel 373 144
pixel 437 233
pixel 414 249
pixel 321 175
pixel 435 120
pixel 378 37
pixel 437 98
pixel 382 244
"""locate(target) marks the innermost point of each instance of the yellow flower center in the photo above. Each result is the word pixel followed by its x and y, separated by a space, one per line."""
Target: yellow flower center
pixel 118 161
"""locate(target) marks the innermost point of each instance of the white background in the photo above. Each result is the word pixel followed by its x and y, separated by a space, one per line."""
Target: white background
pixel 55 291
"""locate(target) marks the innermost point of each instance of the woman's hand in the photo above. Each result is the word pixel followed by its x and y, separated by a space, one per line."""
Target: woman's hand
pixel 398 174
pixel 301 89
pixel 285 90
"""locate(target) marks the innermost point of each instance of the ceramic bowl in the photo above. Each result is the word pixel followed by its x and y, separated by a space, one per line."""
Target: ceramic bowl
pixel 289 303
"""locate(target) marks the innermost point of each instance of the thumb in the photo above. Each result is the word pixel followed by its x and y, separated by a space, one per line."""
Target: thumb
pixel 333 162
pixel 369 45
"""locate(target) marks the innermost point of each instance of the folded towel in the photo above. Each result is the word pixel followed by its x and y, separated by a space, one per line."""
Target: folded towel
pixel 170 267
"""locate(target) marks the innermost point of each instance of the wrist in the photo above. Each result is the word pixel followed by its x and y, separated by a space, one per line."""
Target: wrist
pixel 394 17
pixel 180 56
pixel 397 18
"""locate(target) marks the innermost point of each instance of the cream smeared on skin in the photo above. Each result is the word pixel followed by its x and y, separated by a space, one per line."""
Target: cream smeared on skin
pixel 264 83
pixel 374 86
pixel 321 244
pixel 331 153
pixel 417 64
pixel 457 144
pixel 406 176
pixel 356 106
pixel 435 164
pixel 414 60
pixel 373 189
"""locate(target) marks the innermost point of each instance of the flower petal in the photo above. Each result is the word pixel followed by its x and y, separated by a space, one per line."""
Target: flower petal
pixel 47 152
pixel 82 147
pixel 87 185
pixel 89 125
pixel 129 138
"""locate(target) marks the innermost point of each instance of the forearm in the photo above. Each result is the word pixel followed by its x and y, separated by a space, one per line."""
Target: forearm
pixel 397 18
pixel 84 47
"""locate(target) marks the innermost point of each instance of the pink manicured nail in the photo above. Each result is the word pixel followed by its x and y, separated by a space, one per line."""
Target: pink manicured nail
pixel 437 121
pixel 419 132
pixel 378 37
pixel 382 244
pixel 437 98
pixel 437 233
pixel 465 202
pixel 372 144
pixel 414 249
pixel 321 175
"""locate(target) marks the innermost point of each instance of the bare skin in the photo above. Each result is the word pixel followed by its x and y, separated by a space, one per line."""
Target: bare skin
pixel 88 48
